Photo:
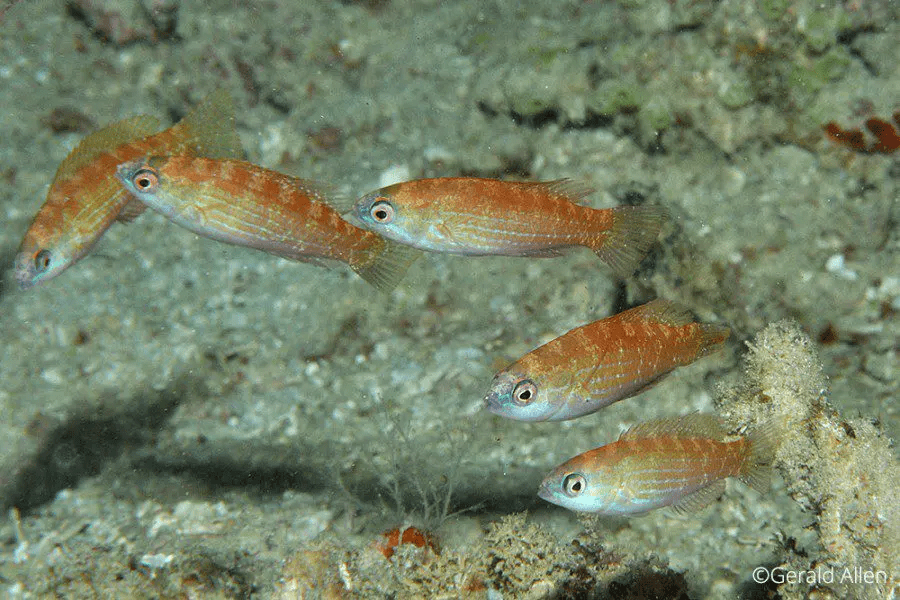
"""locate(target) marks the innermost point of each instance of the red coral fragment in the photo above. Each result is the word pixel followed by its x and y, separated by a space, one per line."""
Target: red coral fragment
pixel 407 535
pixel 888 140
pixel 851 138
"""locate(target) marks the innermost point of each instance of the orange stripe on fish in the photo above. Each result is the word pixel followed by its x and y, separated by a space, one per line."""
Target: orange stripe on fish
pixel 85 198
pixel 481 217
pixel 680 462
pixel 246 205
pixel 594 365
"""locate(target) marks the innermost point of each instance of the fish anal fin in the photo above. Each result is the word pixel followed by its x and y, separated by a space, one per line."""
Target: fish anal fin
pixel 105 140
pixel 701 498
pixel 209 128
pixel 684 426
pixel 387 265
pixel 650 384
pixel 544 252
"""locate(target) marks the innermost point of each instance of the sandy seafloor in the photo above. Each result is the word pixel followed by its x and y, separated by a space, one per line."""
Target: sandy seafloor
pixel 181 418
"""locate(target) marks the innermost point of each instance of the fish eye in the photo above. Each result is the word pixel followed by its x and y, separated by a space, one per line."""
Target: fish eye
pixel 574 484
pixel 145 180
pixel 42 260
pixel 382 212
pixel 524 393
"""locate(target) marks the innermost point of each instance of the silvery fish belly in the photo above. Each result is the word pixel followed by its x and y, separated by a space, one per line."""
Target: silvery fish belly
pixel 680 462
pixel 592 366
pixel 489 217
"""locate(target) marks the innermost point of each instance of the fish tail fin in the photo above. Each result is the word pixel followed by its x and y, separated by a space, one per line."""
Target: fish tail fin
pixel 711 338
pixel 385 264
pixel 208 129
pixel 756 469
pixel 633 231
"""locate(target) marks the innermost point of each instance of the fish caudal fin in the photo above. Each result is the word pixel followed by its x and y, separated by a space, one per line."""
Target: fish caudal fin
pixel 633 231
pixel 208 130
pixel 711 338
pixel 756 469
pixel 386 265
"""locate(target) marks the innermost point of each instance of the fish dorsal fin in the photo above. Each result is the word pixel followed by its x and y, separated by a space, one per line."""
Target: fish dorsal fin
pixel 322 192
pixel 660 311
pixel 685 426
pixel 701 498
pixel 106 140
pixel 209 128
pixel 574 191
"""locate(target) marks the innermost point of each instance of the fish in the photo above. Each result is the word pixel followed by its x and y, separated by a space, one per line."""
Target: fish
pixel 488 217
pixel 243 204
pixel 679 462
pixel 85 198
pixel 595 365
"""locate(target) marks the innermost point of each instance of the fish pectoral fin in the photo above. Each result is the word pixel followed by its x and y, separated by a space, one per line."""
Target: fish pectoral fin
pixel 649 384
pixel 439 231
pixel 701 498
pixel 131 211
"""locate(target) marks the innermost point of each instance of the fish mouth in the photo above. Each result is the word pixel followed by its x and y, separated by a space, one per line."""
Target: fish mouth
pixel 492 402
pixel 544 493
pixel 23 274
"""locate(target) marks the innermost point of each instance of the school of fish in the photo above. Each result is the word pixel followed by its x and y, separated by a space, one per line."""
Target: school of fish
pixel 194 175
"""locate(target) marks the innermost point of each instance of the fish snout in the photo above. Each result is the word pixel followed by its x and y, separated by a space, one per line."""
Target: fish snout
pixel 492 401
pixel 544 492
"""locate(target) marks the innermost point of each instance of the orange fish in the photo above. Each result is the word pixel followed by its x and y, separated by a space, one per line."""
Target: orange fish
pixel 680 462
pixel 85 198
pixel 594 365
pixel 243 204
pixel 481 217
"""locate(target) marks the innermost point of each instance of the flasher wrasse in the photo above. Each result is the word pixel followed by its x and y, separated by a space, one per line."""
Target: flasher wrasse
pixel 85 198
pixel 489 217
pixel 680 462
pixel 594 365
pixel 240 203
